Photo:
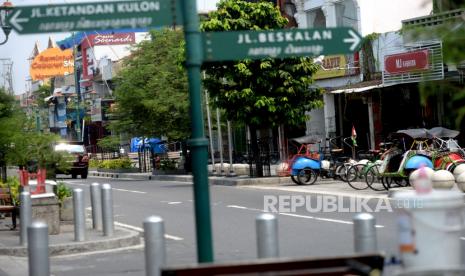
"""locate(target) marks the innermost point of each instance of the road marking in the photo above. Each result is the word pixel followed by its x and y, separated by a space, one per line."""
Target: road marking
pixel 116 189
pixel 129 191
pixel 78 184
pixel 238 207
pixel 300 216
pixel 171 202
pixel 315 192
pixel 138 229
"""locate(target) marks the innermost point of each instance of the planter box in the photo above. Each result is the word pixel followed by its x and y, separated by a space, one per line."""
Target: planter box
pixel 131 170
pixel 66 209
pixel 46 207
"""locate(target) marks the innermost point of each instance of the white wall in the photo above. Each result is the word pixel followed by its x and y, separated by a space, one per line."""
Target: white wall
pixel 378 16
pixel 381 16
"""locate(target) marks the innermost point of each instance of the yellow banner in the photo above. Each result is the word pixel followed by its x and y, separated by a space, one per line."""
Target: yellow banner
pixel 332 67
pixel 52 62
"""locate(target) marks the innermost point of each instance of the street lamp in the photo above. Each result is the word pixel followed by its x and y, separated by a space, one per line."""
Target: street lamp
pixel 5 9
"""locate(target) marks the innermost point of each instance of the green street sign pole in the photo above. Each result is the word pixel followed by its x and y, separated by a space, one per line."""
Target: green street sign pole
pixel 198 142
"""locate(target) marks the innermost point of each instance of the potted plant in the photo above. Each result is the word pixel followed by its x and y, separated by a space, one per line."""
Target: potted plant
pixel 65 197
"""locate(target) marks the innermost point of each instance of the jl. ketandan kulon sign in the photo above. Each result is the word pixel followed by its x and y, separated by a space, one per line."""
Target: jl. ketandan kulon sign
pixel 52 62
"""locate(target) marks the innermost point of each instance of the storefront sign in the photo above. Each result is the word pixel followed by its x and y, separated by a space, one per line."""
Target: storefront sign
pixel 332 67
pixel 407 62
pixel 112 39
pixel 52 62
pixel 96 110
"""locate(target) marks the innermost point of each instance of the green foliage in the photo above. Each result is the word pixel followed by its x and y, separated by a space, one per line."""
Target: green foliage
pixel 113 164
pixel 110 143
pixel 37 148
pixel 94 163
pixel 43 92
pixel 63 191
pixel 14 185
pixel 452 34
pixel 168 164
pixel 151 93
pixel 261 93
pixel 12 122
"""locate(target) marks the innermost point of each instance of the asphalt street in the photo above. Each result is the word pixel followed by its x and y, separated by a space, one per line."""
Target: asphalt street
pixel 234 209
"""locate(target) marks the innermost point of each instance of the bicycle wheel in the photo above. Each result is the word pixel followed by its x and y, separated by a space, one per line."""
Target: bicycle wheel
pixel 356 177
pixel 294 179
pixel 306 177
pixel 341 172
pixel 374 180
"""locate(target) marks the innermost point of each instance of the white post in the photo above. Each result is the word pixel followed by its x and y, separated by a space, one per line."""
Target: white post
pixel 230 149
pixel 209 119
pixel 220 141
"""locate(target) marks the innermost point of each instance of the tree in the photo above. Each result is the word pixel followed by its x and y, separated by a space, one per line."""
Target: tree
pixel 262 93
pixel 151 93
pixel 43 92
pixel 10 119
pixel 452 34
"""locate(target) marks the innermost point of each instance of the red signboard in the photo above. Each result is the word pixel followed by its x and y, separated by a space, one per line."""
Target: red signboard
pixel 406 62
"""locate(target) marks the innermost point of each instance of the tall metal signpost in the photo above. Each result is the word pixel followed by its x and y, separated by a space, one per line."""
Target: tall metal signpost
pixel 200 47
pixel 198 143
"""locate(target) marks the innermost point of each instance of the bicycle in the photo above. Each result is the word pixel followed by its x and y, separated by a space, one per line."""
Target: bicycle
pixel 357 173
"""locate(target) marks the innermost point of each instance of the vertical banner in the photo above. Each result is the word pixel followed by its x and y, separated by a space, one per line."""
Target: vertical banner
pixel 61 116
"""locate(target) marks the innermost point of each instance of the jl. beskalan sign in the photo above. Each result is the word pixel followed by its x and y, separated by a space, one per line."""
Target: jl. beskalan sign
pixel 52 62
pixel 407 62
pixel 291 36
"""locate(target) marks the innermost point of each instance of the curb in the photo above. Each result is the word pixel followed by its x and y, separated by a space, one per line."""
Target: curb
pixel 213 180
pixel 130 238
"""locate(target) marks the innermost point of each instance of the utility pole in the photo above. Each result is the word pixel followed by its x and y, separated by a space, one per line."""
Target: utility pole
pixel 78 91
pixel 7 75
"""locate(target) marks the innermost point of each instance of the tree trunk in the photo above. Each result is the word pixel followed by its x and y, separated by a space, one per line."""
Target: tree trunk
pixel 256 151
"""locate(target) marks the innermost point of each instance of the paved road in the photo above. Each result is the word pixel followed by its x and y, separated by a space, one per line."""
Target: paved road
pixel 301 233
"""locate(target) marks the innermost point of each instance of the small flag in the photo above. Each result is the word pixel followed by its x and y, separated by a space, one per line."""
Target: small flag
pixel 354 136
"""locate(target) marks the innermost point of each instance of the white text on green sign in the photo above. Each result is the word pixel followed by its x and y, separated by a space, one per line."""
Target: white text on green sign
pixel 219 46
pixel 94 16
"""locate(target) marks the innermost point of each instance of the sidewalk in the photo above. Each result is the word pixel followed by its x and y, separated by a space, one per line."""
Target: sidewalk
pixel 64 244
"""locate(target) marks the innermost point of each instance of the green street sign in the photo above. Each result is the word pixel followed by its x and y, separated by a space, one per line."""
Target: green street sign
pixel 94 16
pixel 222 46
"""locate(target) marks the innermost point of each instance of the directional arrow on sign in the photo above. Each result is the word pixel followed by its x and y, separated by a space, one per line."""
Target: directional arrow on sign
pixel 90 16
pixel 15 21
pixel 355 39
pixel 285 43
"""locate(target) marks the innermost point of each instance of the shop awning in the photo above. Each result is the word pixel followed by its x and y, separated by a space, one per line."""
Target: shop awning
pixel 357 87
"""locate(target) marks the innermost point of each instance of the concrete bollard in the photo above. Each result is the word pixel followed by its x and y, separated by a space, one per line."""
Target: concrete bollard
pixel 267 236
pixel 107 210
pixel 26 216
pixel 155 250
pixel 79 215
pixel 96 203
pixel 37 249
pixel 365 233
